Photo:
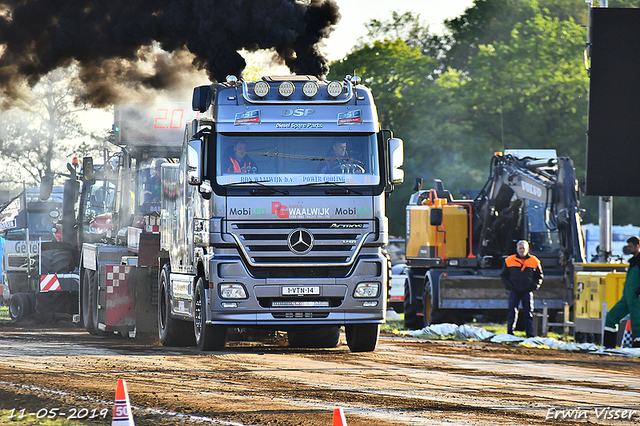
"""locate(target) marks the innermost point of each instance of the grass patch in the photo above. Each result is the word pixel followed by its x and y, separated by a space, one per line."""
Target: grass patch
pixel 393 326
pixel 4 315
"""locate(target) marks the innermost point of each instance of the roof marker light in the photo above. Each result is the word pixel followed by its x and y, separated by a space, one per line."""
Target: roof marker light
pixel 310 89
pixel 286 89
pixel 334 89
pixel 261 89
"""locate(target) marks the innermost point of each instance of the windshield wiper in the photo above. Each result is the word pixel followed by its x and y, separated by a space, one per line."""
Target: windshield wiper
pixel 344 190
pixel 261 183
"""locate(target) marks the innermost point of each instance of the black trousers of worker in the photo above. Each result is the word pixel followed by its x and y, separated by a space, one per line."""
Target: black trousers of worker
pixel 524 298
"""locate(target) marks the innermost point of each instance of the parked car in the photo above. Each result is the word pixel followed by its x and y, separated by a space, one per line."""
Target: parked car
pixel 396 286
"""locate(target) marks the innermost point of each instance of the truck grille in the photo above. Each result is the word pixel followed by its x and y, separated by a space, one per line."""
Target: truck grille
pixel 273 243
pixel 298 315
pixel 20 261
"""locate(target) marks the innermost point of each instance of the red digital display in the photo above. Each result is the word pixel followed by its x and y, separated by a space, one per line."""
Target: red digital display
pixel 169 118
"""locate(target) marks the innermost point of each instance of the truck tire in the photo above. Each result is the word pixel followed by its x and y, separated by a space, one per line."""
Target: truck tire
pixel 208 337
pixel 362 337
pixel 19 306
pixel 171 331
pixel 58 257
pixel 412 305
pixel 314 337
pixel 87 310
pixel 433 314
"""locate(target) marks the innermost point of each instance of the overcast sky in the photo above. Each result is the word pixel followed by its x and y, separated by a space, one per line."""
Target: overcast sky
pixel 355 13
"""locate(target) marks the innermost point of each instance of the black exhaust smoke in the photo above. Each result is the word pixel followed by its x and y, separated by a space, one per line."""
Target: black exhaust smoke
pixel 112 41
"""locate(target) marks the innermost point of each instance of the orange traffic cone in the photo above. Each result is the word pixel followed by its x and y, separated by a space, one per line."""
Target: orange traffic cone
pixel 338 417
pixel 122 408
pixel 627 336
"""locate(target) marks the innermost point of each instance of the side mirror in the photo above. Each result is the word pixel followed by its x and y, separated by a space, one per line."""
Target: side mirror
pixel 435 217
pixel 396 155
pixel 46 186
pixel 417 184
pixel 194 162
pixel 201 98
pixel 87 169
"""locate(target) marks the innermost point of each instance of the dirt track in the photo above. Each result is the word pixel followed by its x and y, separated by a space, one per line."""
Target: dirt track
pixel 404 382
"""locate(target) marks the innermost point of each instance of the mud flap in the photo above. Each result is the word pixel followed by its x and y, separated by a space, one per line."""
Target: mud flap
pixel 146 301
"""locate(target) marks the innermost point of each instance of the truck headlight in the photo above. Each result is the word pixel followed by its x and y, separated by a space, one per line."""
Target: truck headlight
pixel 286 89
pixel 232 291
pixel 367 290
pixel 334 89
pixel 310 89
pixel 261 89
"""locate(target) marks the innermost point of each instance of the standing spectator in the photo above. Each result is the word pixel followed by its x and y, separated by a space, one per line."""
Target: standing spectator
pixel 521 275
pixel 629 304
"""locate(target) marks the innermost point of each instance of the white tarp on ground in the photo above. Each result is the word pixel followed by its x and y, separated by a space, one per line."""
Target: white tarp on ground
pixel 465 332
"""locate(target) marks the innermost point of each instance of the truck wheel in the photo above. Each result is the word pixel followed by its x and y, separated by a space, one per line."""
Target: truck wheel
pixel 208 337
pixel 362 337
pixel 314 337
pixel 87 310
pixel 19 306
pixel 171 331
pixel 433 314
pixel 412 287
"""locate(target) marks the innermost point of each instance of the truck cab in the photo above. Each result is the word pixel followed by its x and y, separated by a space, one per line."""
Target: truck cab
pixel 274 217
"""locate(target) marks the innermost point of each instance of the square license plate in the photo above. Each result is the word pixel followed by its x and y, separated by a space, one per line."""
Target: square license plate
pixel 300 291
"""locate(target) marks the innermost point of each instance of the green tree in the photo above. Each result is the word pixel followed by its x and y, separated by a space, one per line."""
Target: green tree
pixel 486 22
pixel 396 73
pixel 508 74
pixel 399 77
pixel 407 27
pixel 530 91
pixel 38 141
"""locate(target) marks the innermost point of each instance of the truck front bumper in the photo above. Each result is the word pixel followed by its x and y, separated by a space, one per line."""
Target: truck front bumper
pixel 282 302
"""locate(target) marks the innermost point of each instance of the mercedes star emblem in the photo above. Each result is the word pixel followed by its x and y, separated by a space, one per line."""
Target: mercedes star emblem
pixel 300 241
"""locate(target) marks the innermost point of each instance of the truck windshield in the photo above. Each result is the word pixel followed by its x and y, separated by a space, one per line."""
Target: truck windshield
pixel 542 239
pixel 40 223
pixel 99 199
pixel 297 159
pixel 149 177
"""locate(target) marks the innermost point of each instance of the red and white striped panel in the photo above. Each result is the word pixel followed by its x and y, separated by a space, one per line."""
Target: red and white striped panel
pixel 152 229
pixel 49 283
pixel 115 275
